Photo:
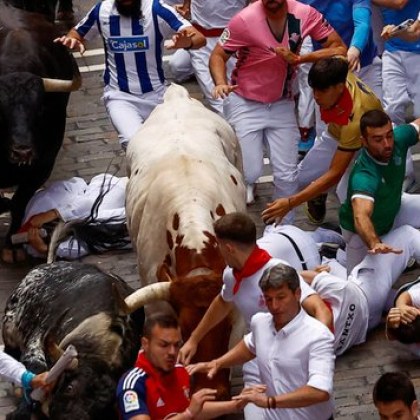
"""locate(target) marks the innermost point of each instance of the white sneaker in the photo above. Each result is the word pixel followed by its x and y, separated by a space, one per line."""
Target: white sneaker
pixel 250 194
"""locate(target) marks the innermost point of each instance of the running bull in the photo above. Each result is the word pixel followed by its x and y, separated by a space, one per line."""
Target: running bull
pixel 184 168
pixel 36 76
pixel 74 303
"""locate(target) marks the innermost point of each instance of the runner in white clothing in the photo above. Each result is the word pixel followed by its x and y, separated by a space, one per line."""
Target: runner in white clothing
pixel 294 353
pixel 101 202
pixel 210 18
pixel 358 302
pixel 133 32
pixel 236 236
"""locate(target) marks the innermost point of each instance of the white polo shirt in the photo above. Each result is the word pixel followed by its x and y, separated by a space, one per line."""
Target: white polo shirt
pixel 350 309
pixel 299 354
pixel 249 299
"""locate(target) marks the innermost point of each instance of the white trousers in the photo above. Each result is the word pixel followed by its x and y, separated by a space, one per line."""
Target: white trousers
pixel 279 246
pixel 306 102
pixel 409 214
pixel 128 112
pixel 376 274
pixel 401 84
pixel 272 125
pixel 180 65
pixel 184 63
pixel 318 160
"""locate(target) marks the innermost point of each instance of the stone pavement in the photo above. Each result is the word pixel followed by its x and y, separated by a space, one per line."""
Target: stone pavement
pixel 91 147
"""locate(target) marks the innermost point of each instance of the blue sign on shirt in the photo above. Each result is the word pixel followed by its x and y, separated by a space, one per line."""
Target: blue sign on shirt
pixel 128 44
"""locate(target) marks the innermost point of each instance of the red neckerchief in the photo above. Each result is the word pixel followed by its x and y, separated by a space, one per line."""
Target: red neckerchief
pixel 258 258
pixel 329 306
pixel 340 113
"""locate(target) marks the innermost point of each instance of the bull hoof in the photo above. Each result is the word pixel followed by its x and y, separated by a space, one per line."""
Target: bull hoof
pixel 13 255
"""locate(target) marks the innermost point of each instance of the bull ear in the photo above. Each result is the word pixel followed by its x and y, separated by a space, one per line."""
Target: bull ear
pixel 163 273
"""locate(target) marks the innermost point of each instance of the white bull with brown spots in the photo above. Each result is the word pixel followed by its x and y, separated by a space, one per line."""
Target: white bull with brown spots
pixel 184 167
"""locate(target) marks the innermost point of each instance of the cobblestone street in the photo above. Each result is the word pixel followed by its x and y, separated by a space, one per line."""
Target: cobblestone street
pixel 91 147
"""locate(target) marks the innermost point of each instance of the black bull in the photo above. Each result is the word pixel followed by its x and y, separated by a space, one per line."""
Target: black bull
pixel 46 7
pixel 32 108
pixel 73 303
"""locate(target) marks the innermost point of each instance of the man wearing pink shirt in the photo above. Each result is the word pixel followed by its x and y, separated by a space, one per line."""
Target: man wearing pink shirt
pixel 266 37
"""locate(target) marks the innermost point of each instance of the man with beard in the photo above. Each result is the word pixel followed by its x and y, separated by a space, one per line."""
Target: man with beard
pixel 266 38
pixel 158 387
pixel 133 32
pixel 374 204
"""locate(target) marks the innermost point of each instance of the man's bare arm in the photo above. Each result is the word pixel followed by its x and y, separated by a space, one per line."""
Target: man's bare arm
pixel 362 212
pixel 217 311
pixel 280 207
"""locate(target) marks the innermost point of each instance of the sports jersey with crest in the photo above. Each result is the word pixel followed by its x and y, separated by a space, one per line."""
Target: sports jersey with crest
pixel 260 74
pixel 133 46
pixel 380 182
pixel 145 390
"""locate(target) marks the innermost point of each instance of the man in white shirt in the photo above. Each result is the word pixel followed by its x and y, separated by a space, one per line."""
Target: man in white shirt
pixel 236 236
pixel 294 352
pixel 357 302
pixel 133 32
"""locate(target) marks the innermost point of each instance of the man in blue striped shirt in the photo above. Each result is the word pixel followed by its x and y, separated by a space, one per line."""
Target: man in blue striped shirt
pixel 133 32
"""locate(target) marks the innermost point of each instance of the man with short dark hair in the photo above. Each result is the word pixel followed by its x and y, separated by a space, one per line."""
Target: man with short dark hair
pixel 294 353
pixel 375 203
pixel 403 320
pixel 266 38
pixel 395 398
pixel 343 99
pixel 157 387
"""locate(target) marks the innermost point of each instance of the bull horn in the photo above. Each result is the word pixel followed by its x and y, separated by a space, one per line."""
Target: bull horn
pixel 60 85
pixel 147 294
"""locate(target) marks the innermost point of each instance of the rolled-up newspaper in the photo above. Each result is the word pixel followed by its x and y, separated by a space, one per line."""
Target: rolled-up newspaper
pixel 22 237
pixel 62 363
pixel 403 26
